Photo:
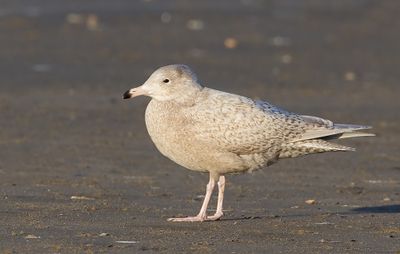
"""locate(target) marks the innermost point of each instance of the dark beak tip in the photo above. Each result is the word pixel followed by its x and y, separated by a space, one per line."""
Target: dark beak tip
pixel 127 95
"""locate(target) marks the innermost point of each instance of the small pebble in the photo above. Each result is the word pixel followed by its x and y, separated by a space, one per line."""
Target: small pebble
pixel 230 43
pixel 81 198
pixel 195 24
pixel 199 198
pixel 324 223
pixel 286 59
pixel 32 237
pixel 126 242
pixel 92 22
pixel 350 76
pixel 311 202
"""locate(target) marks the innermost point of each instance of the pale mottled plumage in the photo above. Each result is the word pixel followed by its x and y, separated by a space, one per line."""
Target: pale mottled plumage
pixel 207 130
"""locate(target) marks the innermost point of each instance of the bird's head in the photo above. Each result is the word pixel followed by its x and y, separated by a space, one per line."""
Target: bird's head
pixel 171 82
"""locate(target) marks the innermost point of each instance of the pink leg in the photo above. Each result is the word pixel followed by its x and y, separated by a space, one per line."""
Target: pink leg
pixel 221 188
pixel 203 211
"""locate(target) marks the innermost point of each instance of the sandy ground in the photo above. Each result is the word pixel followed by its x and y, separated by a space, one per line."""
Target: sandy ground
pixel 65 131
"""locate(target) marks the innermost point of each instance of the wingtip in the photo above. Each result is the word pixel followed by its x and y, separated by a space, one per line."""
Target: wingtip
pixel 365 134
pixel 355 127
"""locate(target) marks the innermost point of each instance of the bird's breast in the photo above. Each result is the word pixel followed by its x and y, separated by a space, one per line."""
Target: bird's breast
pixel 170 131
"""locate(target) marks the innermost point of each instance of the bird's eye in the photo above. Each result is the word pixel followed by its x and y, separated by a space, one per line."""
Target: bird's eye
pixel 166 80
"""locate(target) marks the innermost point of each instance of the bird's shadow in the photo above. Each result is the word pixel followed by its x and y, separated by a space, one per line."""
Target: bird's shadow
pixel 245 218
pixel 259 217
pixel 377 209
pixel 358 210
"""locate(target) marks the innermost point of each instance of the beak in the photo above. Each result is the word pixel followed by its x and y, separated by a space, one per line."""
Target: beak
pixel 134 92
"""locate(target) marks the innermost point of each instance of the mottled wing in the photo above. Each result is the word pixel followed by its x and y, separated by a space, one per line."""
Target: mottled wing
pixel 240 125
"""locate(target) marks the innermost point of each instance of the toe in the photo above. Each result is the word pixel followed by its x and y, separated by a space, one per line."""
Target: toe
pixel 187 219
pixel 214 217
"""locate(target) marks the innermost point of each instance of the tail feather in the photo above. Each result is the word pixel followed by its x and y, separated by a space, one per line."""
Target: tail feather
pixel 318 132
pixel 305 147
pixel 324 146
pixel 336 131
pixel 351 126
pixel 349 135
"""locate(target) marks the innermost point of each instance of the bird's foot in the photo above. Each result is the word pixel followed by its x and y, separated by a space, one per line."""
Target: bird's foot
pixel 216 216
pixel 196 218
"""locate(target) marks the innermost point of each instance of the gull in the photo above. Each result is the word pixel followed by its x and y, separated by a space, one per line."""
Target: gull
pixel 220 133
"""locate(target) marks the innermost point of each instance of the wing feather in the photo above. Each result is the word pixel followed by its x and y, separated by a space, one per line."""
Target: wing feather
pixel 238 124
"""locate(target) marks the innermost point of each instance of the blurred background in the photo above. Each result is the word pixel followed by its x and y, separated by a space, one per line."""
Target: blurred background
pixel 76 160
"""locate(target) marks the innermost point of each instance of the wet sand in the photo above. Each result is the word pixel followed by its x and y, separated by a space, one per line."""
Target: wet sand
pixel 78 172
